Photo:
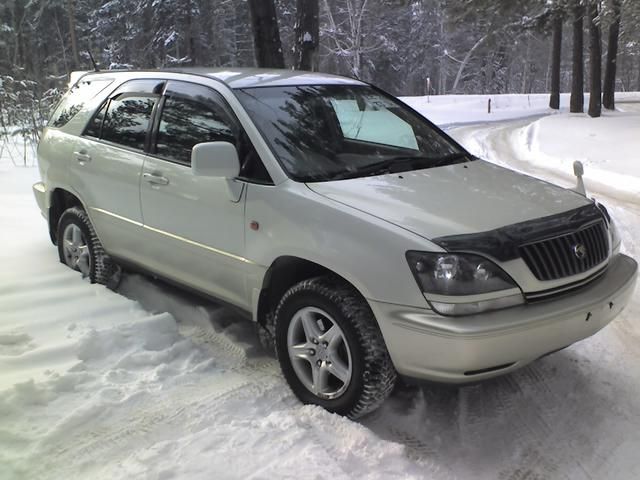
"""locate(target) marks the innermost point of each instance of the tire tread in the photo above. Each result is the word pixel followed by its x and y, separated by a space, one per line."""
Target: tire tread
pixel 379 375
pixel 104 270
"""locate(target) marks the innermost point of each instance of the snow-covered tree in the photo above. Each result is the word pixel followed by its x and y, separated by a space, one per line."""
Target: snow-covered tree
pixel 405 46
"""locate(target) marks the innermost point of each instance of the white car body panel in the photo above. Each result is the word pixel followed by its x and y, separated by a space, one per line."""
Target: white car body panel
pixel 295 221
pixel 207 253
pixel 109 185
pixel 453 200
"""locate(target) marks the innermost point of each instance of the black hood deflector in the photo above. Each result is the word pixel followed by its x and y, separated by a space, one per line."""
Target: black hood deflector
pixel 503 243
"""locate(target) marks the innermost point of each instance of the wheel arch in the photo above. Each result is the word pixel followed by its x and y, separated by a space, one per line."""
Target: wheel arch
pixel 60 200
pixel 283 273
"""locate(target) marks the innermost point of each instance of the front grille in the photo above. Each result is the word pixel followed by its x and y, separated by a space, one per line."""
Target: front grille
pixel 556 257
pixel 566 289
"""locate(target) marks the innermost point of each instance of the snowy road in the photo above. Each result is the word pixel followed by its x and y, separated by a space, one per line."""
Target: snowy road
pixel 152 383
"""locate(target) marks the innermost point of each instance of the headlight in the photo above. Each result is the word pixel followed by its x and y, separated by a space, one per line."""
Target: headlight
pixel 457 274
pixel 463 284
pixel 616 241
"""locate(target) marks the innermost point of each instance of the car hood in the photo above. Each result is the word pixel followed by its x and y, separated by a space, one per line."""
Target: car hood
pixel 457 199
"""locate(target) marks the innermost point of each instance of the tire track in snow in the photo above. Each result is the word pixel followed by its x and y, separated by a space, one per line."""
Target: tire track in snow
pixel 77 440
pixel 151 411
pixel 157 384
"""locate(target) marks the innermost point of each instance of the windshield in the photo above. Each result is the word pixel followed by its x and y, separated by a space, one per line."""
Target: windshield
pixel 333 132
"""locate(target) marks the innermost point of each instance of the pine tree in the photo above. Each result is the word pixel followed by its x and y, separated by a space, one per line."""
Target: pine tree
pixel 577 85
pixel 609 87
pixel 595 61
pixel 307 35
pixel 71 15
pixel 266 35
pixel 556 59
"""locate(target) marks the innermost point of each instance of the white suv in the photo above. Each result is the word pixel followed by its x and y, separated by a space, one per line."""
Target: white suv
pixel 363 240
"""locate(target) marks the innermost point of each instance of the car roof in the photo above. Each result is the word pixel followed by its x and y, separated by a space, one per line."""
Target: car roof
pixel 253 77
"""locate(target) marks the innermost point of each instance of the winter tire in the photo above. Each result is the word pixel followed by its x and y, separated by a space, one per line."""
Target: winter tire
pixel 80 249
pixel 330 348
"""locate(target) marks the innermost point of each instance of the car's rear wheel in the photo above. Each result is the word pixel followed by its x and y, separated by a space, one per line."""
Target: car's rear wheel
pixel 330 348
pixel 80 249
pixel 75 249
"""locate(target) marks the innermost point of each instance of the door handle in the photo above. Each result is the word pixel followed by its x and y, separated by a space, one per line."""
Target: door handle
pixel 82 157
pixel 155 179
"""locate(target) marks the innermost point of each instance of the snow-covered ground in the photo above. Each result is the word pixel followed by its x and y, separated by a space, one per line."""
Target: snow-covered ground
pixel 149 382
pixel 452 110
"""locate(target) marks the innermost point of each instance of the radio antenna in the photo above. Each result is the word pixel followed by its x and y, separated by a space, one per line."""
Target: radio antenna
pixel 95 65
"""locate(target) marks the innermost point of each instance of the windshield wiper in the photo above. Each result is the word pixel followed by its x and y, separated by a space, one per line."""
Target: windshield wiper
pixel 451 159
pixel 402 163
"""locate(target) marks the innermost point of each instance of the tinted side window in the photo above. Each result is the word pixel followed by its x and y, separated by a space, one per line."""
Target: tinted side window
pixel 75 98
pixel 127 120
pixel 184 123
pixel 195 114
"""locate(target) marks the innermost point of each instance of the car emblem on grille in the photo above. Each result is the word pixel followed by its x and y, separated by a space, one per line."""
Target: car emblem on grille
pixel 580 251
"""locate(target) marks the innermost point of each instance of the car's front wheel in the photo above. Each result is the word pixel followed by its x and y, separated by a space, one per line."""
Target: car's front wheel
pixel 330 348
pixel 80 249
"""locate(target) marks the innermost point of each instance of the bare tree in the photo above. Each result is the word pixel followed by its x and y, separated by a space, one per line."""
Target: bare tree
pixel 577 85
pixel 595 61
pixel 499 24
pixel 266 35
pixel 467 57
pixel 307 32
pixel 609 88
pixel 348 34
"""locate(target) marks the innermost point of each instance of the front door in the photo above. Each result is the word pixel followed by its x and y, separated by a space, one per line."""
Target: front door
pixel 193 226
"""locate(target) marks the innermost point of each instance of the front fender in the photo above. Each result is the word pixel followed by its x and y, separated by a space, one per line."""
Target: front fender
pixel 365 250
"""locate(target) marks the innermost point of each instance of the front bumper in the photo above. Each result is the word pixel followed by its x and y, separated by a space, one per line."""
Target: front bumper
pixel 425 345
pixel 40 193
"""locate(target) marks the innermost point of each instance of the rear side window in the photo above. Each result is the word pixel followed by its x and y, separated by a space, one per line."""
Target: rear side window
pixel 127 120
pixel 95 125
pixel 75 98
pixel 124 118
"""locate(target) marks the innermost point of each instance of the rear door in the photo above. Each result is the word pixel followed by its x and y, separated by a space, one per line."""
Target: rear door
pixel 194 226
pixel 108 160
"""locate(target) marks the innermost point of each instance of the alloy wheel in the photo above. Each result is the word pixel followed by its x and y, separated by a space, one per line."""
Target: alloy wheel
pixel 319 353
pixel 76 250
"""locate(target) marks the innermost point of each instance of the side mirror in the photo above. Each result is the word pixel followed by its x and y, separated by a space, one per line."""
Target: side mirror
pixel 215 159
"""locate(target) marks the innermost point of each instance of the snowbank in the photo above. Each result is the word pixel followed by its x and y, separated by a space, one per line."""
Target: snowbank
pixel 609 147
pixel 450 110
